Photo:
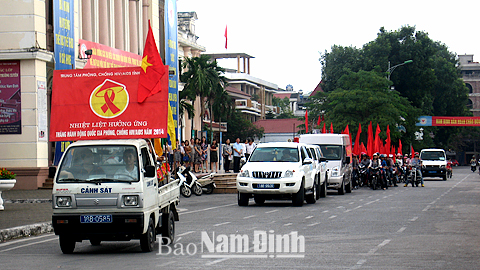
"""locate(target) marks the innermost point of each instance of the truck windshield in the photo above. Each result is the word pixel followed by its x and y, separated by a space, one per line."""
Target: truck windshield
pixel 432 155
pixel 274 154
pixel 103 163
pixel 331 152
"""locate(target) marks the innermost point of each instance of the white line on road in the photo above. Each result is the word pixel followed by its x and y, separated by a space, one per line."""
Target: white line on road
pixel 26 245
pixel 247 217
pixel 33 238
pixel 273 211
pixel 288 224
pixel 413 219
pixel 206 209
pixel 332 217
pixel 351 203
pixel 308 217
pixel 220 224
pixel 401 229
pixel 326 211
pixel 313 224
pixel 426 208
pixel 185 233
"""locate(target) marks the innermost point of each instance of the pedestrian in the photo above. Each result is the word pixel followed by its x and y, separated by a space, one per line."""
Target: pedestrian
pixel 204 156
pixel 197 158
pixel 182 150
pixel 227 155
pixel 177 158
pixel 249 148
pixel 213 155
pixel 187 159
pixel 237 155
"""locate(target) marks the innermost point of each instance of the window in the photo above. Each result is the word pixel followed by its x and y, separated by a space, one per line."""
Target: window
pixel 470 88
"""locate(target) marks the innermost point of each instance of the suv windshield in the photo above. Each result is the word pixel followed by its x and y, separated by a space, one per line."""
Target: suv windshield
pixel 332 152
pixel 108 163
pixel 274 154
pixel 432 155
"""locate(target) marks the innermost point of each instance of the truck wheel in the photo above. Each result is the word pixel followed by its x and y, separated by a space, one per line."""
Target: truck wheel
pixel 168 228
pixel 243 199
pixel 311 198
pixel 317 187
pixel 67 244
pixel 341 189
pixel 147 240
pixel 299 197
pixel 323 189
pixel 186 191
pixel 197 189
pixel 259 199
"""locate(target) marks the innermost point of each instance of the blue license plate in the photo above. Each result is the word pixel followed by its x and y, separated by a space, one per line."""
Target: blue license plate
pixel 432 171
pixel 96 218
pixel 265 185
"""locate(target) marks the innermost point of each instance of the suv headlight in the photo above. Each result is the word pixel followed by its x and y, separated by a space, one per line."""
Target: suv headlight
pixel 442 166
pixel 244 173
pixel 64 201
pixel 335 171
pixel 288 173
pixel 130 200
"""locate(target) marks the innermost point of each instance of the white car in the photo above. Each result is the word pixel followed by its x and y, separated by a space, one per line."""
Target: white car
pixel 277 170
pixel 319 170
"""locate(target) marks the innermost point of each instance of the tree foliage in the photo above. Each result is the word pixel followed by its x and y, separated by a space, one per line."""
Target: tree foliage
pixel 432 82
pixel 239 127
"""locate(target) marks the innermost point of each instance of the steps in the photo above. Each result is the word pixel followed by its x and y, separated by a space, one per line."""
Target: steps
pixel 48 184
pixel 225 182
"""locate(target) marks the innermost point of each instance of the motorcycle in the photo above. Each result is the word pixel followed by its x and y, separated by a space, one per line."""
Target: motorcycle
pixel 376 178
pixel 188 182
pixel 473 166
pixel 207 183
pixel 362 175
pixel 414 177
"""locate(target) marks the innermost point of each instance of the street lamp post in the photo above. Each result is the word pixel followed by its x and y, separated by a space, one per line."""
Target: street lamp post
pixel 390 69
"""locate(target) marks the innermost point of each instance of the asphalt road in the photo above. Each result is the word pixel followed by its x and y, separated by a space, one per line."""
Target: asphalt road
pixel 435 227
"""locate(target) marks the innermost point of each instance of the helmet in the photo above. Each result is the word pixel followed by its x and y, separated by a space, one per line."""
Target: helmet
pixel 363 154
pixel 416 154
pixel 383 156
pixel 390 155
pixel 375 154
pixel 399 155
pixel 406 155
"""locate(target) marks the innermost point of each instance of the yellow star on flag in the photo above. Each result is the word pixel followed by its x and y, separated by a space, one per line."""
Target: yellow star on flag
pixel 145 63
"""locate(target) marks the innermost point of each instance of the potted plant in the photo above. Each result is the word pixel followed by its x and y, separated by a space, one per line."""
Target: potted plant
pixel 7 181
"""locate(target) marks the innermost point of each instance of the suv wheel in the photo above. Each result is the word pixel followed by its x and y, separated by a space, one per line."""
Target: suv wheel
pixel 299 197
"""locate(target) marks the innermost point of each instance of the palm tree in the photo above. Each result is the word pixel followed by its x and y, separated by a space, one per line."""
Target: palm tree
pixel 201 77
pixel 221 105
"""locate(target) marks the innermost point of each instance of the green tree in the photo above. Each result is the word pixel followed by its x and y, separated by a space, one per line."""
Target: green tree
pixel 284 105
pixel 239 127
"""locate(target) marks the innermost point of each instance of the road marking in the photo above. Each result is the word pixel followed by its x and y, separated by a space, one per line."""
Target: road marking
pixel 313 224
pixel 33 238
pixel 332 217
pixel 217 261
pixel 401 229
pixel 273 211
pixel 351 202
pixel 165 264
pixel 426 208
pixel 326 211
pixel 288 224
pixel 220 224
pixel 413 219
pixel 206 209
pixel 30 244
pixel 308 217
pixel 185 233
pixel 249 216
pixel 338 207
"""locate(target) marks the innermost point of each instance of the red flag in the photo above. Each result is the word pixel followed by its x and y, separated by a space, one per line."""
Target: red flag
pixel 363 149
pixel 356 147
pixel 370 141
pixel 347 131
pixel 400 147
pixel 152 69
pixel 306 121
pixel 412 152
pixel 378 142
pixel 319 121
pixel 388 143
pixel 331 127
pixel 324 130
pixel 226 39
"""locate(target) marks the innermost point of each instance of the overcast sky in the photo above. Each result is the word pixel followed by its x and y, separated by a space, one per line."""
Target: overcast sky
pixel 285 37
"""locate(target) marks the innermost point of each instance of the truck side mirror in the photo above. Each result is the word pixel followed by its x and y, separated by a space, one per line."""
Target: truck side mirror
pixel 51 172
pixel 149 171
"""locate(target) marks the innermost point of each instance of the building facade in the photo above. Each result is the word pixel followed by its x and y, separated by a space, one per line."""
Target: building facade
pixel 471 76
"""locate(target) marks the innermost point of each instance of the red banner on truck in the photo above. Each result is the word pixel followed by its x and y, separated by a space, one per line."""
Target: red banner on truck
pixel 97 104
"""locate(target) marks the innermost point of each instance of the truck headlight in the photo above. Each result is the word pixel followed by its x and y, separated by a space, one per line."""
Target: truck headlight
pixel 64 201
pixel 288 173
pixel 335 171
pixel 244 173
pixel 130 200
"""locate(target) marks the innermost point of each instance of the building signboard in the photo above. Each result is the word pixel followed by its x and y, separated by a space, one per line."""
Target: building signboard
pixel 10 102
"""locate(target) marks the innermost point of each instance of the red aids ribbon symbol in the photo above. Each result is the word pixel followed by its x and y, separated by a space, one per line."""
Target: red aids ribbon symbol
pixel 108 100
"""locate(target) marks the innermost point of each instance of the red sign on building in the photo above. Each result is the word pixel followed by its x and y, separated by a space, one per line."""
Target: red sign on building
pixel 93 104
pixel 107 57
pixel 10 102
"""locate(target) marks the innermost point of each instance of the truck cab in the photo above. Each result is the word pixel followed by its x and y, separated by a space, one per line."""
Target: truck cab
pixel 434 163
pixel 108 190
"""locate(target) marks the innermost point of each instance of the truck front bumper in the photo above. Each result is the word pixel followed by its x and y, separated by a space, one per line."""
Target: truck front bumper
pixel 280 185
pixel 436 172
pixel 122 227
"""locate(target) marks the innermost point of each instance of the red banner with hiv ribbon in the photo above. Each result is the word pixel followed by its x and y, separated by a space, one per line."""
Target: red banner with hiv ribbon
pixel 94 104
pixel 449 121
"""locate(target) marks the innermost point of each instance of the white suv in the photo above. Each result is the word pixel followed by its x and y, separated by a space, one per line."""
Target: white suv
pixel 320 170
pixel 277 170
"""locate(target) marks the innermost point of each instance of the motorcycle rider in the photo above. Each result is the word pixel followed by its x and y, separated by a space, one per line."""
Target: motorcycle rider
pixel 449 167
pixel 376 163
pixel 399 166
pixel 417 164
pixel 473 164
pixel 385 169
pixel 390 163
pixel 365 162
pixel 355 171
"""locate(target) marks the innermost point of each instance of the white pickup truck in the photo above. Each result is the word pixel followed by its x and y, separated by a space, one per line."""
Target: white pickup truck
pixel 109 191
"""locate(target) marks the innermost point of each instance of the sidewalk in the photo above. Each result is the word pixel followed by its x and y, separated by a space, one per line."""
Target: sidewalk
pixel 27 212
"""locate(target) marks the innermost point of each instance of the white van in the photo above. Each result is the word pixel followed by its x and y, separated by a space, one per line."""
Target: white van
pixel 434 163
pixel 336 148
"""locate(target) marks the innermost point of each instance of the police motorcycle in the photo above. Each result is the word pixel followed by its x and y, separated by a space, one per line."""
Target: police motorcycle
pixel 414 176
pixel 188 182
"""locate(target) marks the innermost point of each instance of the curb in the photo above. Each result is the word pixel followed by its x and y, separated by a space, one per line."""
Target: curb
pixel 25 231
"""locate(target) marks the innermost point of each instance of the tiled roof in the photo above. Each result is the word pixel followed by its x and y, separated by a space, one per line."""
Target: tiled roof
pixel 279 125
pixel 317 89
pixel 282 96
